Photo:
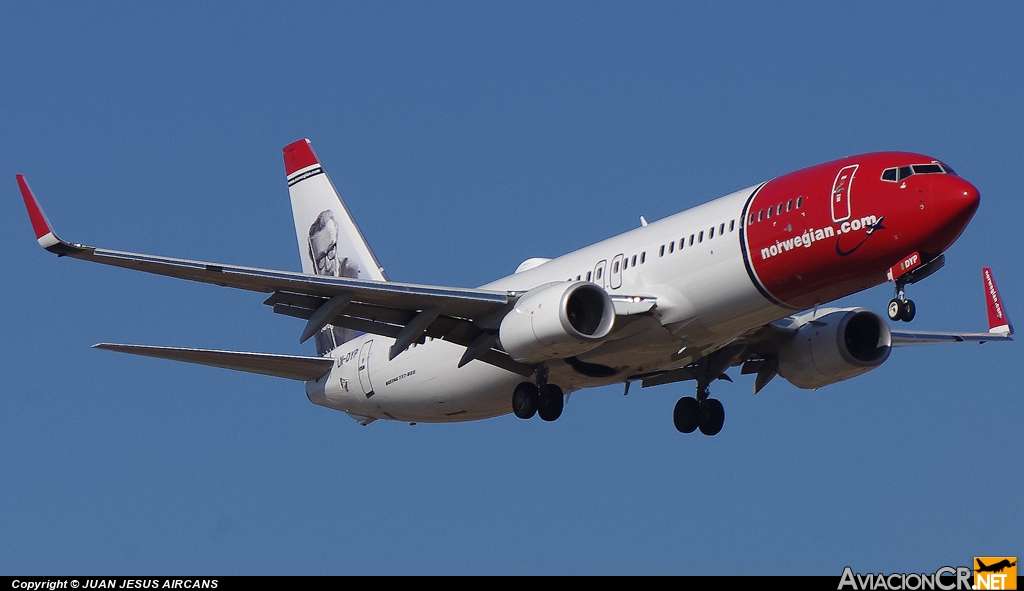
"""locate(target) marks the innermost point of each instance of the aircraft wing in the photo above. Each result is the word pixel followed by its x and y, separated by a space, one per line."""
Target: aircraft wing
pixel 758 350
pixel 902 338
pixel 999 327
pixel 403 311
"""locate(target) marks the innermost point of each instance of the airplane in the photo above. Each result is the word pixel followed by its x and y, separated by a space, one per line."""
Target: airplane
pixel 738 281
pixel 995 568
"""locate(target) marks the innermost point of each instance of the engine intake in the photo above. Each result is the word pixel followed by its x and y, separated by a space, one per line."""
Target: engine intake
pixel 556 321
pixel 836 347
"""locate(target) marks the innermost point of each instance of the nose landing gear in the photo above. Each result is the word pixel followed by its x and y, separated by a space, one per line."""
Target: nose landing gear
pixel 901 308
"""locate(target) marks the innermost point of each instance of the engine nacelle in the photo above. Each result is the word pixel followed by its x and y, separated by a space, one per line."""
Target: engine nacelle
pixel 836 347
pixel 556 321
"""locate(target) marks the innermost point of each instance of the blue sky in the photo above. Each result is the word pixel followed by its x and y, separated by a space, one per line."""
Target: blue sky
pixel 467 137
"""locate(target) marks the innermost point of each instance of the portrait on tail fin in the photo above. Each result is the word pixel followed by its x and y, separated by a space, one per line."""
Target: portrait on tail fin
pixel 323 252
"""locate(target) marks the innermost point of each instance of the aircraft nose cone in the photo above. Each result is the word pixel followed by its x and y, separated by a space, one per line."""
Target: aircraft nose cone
pixel 954 202
pixel 959 200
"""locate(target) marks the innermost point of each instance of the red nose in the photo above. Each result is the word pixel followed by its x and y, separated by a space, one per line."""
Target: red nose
pixel 954 202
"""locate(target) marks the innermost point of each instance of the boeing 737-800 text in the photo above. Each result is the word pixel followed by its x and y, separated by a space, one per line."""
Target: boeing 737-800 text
pixel 740 281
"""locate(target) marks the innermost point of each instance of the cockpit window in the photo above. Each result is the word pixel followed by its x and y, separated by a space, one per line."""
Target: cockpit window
pixel 928 169
pixel 898 174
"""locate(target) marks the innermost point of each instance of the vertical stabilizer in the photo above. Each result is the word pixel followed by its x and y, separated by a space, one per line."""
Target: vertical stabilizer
pixel 330 243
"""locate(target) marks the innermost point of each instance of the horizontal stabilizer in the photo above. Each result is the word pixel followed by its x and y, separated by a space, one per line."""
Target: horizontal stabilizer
pixel 283 366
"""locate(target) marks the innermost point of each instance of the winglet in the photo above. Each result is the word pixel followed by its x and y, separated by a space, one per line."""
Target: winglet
pixel 42 227
pixel 998 322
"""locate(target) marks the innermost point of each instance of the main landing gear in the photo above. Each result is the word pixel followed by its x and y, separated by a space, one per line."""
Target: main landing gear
pixel 703 412
pixel 706 414
pixel 546 401
pixel 901 308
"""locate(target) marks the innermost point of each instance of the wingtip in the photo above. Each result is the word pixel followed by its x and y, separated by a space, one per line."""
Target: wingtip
pixel 298 155
pixel 40 225
pixel 998 321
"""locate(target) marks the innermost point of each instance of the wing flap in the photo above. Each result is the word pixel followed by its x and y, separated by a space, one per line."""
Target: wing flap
pixel 283 366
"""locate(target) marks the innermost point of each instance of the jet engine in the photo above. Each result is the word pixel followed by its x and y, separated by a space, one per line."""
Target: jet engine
pixel 836 347
pixel 556 321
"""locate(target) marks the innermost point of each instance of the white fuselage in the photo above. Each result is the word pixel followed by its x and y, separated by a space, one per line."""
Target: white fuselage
pixel 705 299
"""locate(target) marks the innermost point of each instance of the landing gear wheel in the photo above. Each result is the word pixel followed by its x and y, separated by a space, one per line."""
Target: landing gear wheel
pixel 550 403
pixel 895 309
pixel 712 417
pixel 908 311
pixel 525 400
pixel 686 415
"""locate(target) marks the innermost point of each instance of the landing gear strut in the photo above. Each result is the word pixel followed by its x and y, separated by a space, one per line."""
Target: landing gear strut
pixel 541 398
pixel 901 308
pixel 702 412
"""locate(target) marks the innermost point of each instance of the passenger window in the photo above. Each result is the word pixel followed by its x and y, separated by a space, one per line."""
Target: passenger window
pixel 751 220
pixel 577 278
pixel 700 237
pixel 672 247
pixel 661 252
pixel 721 228
pixel 691 239
pixel 778 211
pixel 799 202
pixel 625 264
pixel 760 215
pixel 588 275
pixel 643 257
pixel 905 172
pixel 600 271
pixel 789 205
pixel 682 243
pixel 732 225
pixel 711 234
pixel 889 174
pixel 634 260
pixel 770 209
pixel 616 268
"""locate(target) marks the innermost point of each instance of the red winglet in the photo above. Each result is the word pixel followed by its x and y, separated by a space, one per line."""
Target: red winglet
pixel 998 322
pixel 298 155
pixel 40 224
